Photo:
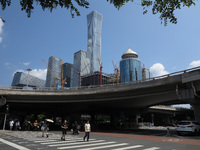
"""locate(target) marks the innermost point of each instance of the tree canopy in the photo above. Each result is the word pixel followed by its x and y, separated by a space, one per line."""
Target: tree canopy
pixel 165 8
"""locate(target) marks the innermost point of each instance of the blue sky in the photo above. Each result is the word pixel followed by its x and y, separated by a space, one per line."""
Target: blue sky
pixel 24 42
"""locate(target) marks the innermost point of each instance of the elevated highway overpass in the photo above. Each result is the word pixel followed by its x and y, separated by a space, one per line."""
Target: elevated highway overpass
pixel 176 88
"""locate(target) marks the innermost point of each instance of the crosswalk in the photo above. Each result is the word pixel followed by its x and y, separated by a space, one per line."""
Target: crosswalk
pixel 74 143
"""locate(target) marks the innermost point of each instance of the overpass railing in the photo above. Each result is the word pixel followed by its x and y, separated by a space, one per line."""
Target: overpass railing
pixel 96 86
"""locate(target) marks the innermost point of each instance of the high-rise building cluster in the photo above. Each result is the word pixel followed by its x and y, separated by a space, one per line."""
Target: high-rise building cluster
pixel 86 68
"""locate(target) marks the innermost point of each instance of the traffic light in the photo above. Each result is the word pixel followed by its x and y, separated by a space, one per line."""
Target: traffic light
pixel 7 108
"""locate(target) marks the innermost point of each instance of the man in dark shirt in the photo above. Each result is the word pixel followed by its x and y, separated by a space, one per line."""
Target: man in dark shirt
pixel 64 127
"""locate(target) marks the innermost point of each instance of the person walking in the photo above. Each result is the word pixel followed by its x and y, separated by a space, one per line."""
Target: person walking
pixel 17 125
pixel 44 128
pixel 11 124
pixel 87 131
pixel 75 128
pixel 35 124
pixel 64 127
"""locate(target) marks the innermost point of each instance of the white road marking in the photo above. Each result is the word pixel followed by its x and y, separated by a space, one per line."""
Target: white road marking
pixel 107 146
pixel 129 147
pixel 44 141
pixel 87 145
pixel 152 148
pixel 75 143
pixel 47 142
pixel 13 145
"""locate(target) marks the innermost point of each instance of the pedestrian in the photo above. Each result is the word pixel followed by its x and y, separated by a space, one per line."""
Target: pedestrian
pixel 64 127
pixel 35 124
pixel 17 125
pixel 44 128
pixel 75 128
pixel 11 124
pixel 87 131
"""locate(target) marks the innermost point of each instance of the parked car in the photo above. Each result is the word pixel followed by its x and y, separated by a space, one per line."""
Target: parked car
pixel 185 127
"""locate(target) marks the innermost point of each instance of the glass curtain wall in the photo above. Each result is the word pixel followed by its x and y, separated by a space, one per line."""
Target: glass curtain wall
pixel 82 65
pixel 54 65
pixel 94 22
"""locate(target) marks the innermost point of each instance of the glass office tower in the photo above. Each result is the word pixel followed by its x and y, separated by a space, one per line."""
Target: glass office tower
pixel 67 70
pixel 130 67
pixel 82 65
pixel 94 22
pixel 54 65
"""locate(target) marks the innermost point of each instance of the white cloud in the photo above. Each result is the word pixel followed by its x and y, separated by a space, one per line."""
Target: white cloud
pixel 194 64
pixel 1 39
pixel 1 26
pixel 8 65
pixel 158 70
pixel 39 73
pixel 26 63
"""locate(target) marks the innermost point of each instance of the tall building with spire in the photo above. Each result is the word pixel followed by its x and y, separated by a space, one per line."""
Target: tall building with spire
pixel 94 23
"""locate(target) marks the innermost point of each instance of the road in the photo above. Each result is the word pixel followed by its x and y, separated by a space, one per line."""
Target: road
pixel 32 140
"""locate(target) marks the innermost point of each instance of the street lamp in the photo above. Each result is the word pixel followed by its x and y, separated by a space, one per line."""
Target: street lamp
pixel 28 75
pixel 2 19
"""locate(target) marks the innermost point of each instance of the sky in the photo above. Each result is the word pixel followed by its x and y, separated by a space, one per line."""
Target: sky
pixel 24 41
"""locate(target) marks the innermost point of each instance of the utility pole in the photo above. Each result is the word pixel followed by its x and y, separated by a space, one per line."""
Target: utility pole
pixel 7 110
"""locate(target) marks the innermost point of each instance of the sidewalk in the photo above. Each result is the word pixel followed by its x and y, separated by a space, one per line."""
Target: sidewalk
pixel 152 138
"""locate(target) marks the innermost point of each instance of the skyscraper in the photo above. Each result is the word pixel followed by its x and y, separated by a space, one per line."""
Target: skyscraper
pixel 94 22
pixel 82 65
pixel 54 65
pixel 67 69
pixel 130 67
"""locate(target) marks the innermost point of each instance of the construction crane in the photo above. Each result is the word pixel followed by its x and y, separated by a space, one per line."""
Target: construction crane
pixel 100 64
pixel 55 78
pixel 79 74
pixel 116 70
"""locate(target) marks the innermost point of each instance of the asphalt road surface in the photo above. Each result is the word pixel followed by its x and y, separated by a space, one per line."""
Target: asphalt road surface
pixel 30 140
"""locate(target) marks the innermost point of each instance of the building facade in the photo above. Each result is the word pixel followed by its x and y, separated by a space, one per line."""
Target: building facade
pixel 94 79
pixel 54 65
pixel 67 70
pixel 130 67
pixel 94 23
pixel 147 73
pixel 81 65
pixel 22 79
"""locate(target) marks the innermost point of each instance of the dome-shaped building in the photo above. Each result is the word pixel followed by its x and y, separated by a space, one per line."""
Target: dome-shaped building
pixel 130 67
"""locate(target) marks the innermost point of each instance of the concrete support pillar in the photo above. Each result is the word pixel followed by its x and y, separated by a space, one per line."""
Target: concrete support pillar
pixel 2 101
pixel 136 119
pixel 115 120
pixel 196 112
